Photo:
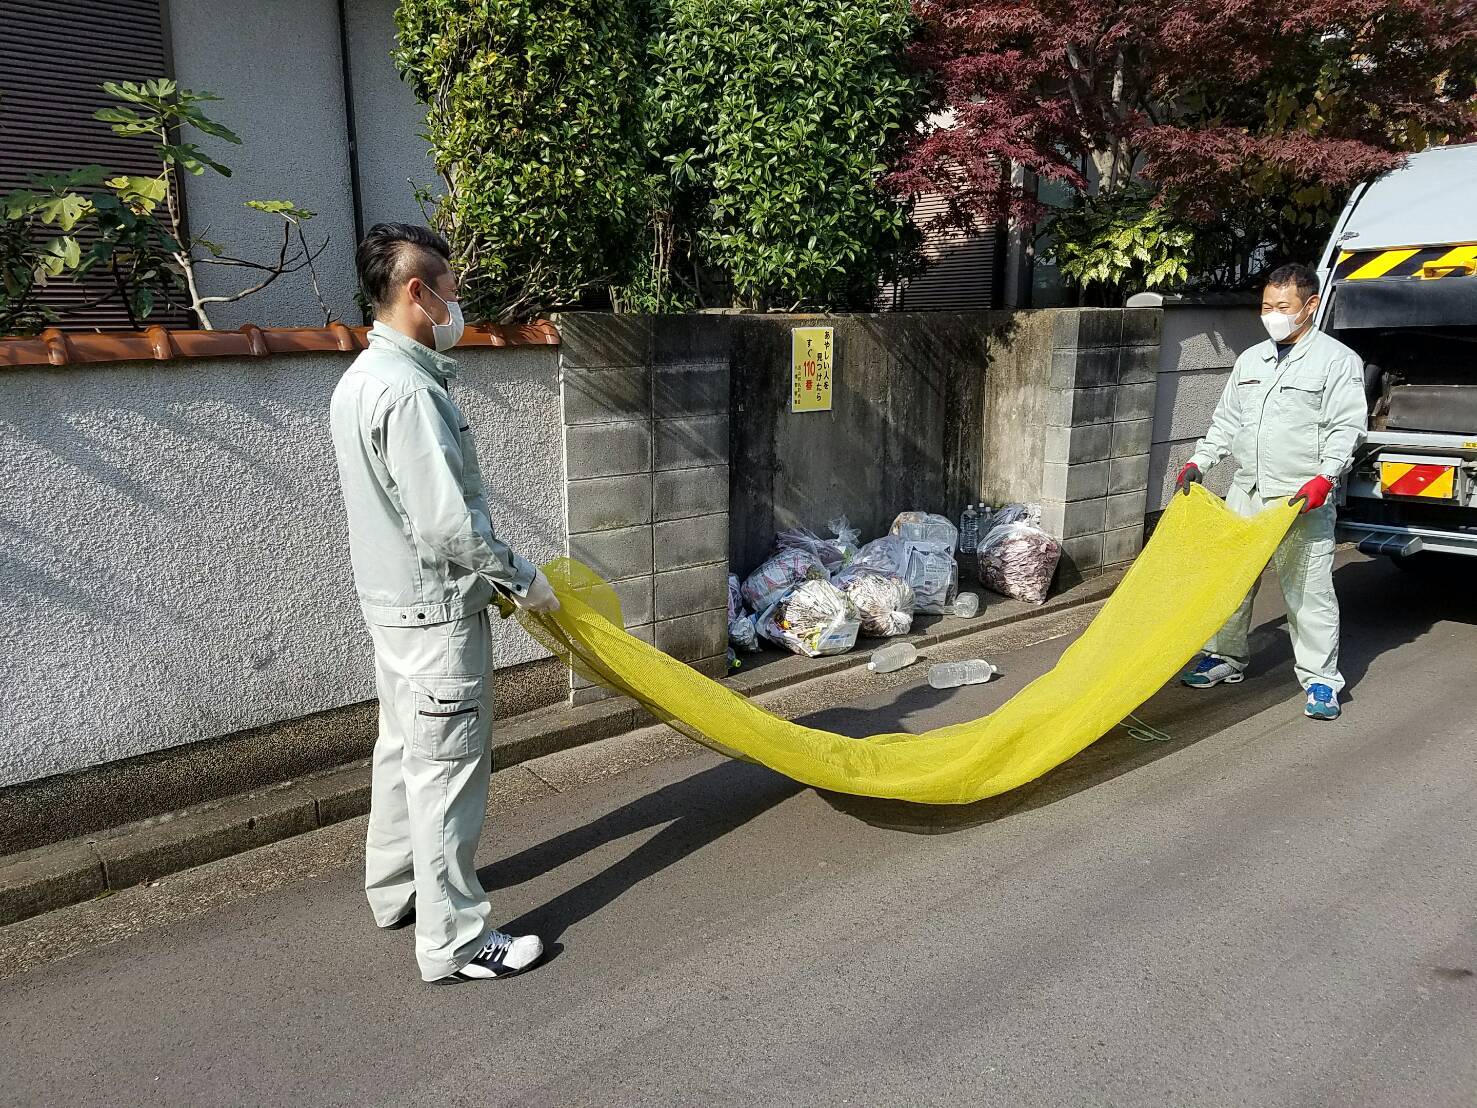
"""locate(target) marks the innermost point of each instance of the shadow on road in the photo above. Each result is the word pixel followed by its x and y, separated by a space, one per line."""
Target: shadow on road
pixel 1384 609
pixel 697 810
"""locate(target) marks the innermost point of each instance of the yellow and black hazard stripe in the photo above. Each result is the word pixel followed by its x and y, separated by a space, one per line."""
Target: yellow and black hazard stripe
pixel 1420 262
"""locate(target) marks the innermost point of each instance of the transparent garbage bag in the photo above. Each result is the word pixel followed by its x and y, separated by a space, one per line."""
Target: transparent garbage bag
pixel 779 574
pixel 925 527
pixel 833 553
pixel 1019 560
pixel 930 569
pixel 813 618
pixel 741 633
pixel 888 554
pixel 883 601
pixel 1010 513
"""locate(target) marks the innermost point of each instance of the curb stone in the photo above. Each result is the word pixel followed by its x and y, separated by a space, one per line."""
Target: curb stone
pixel 65 873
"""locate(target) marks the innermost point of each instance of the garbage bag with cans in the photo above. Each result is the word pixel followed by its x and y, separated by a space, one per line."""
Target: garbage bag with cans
pixel 1016 557
pixel 813 618
pixel 927 566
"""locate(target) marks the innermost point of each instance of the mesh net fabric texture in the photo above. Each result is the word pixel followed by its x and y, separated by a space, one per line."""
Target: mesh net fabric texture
pixel 1191 576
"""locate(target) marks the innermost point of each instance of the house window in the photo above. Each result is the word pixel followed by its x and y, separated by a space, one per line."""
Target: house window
pixel 57 55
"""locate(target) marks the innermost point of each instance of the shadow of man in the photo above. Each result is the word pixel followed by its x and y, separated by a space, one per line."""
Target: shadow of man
pixel 696 811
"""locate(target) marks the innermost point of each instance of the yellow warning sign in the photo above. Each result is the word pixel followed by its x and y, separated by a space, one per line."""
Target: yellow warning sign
pixel 812 363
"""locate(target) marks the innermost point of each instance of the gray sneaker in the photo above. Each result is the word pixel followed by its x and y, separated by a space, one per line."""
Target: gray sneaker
pixel 1211 671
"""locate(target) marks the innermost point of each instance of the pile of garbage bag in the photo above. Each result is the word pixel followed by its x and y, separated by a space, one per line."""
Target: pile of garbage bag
pixel 816 595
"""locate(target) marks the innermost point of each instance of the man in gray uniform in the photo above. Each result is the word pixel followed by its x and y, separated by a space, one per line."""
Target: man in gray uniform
pixel 426 566
pixel 1290 416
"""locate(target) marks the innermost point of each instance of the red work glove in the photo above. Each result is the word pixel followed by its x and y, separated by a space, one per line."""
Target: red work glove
pixel 1189 475
pixel 1314 494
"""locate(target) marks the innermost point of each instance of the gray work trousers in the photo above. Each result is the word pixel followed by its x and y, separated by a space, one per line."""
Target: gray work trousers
pixel 1304 564
pixel 429 791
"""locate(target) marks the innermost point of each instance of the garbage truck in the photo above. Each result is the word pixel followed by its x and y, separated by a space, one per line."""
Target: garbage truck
pixel 1399 279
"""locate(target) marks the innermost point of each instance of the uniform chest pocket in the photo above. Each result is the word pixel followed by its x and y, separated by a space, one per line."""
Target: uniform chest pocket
pixel 1301 394
pixel 449 717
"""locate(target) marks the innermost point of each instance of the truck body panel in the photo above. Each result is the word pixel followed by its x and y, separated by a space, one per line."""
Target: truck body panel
pixel 1399 278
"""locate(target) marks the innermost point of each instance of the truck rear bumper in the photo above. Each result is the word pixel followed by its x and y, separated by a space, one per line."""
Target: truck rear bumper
pixel 1400 540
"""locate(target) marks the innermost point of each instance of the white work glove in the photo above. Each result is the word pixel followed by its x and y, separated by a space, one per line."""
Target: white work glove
pixel 540 596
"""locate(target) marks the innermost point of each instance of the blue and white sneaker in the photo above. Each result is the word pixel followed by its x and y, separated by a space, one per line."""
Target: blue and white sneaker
pixel 1211 671
pixel 502 955
pixel 1323 703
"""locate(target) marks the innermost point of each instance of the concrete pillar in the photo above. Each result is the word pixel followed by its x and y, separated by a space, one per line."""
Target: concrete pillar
pixel 645 403
pixel 1099 431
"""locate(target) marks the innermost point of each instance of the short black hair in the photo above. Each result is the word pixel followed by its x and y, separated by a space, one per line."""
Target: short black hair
pixel 393 253
pixel 1300 276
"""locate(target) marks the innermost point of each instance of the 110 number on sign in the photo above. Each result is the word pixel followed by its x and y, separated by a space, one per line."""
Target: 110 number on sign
pixel 811 367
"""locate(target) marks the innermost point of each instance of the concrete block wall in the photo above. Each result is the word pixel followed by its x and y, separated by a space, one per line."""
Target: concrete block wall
pixel 1098 433
pixel 646 446
pixel 1200 344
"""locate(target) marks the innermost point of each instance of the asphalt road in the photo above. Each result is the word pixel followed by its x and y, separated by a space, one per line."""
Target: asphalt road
pixel 1260 911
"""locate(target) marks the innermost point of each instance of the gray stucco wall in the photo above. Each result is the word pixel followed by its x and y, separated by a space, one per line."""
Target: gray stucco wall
pixel 388 119
pixel 276 64
pixel 1199 345
pixel 173 563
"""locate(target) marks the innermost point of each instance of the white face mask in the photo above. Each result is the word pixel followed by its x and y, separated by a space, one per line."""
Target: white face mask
pixel 445 335
pixel 1280 325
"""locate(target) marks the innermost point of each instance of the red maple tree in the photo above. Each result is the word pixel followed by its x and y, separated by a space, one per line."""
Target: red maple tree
pixel 1225 109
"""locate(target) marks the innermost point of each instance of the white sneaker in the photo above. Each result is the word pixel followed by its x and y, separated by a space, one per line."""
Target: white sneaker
pixel 1210 671
pixel 502 955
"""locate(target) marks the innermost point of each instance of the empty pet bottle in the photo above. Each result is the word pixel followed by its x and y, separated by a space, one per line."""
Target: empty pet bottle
pixel 950 675
pixel 967 605
pixel 895 655
pixel 969 529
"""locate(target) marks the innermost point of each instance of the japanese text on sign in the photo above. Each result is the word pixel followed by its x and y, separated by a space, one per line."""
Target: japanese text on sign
pixel 811 366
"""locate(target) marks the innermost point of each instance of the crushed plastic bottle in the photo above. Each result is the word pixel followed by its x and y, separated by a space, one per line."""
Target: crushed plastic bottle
pixel 895 655
pixel 950 675
pixel 967 605
pixel 969 529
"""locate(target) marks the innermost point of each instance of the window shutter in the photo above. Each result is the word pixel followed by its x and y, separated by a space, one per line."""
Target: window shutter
pixel 963 270
pixel 57 55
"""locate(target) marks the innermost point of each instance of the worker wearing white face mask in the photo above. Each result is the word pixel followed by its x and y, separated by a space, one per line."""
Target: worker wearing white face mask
pixel 426 565
pixel 1290 416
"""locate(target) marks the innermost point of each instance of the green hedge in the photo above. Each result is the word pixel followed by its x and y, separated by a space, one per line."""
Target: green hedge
pixel 534 122
pixel 700 152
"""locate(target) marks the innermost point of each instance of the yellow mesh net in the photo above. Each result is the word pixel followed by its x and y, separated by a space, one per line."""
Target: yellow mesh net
pixel 1199 565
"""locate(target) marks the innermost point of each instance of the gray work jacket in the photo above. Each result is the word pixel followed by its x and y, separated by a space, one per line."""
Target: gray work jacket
pixel 420 535
pixel 1286 423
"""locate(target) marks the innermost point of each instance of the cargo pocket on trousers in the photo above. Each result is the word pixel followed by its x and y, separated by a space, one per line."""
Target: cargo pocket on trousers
pixel 448 717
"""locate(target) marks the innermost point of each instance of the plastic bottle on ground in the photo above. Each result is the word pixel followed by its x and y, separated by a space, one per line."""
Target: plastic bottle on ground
pixel 969 529
pixel 967 605
pixel 895 655
pixel 950 675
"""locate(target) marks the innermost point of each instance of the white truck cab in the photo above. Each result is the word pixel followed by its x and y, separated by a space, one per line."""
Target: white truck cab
pixel 1399 280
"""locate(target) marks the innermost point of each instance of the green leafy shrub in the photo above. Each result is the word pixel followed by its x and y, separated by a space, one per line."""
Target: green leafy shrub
pixel 37 245
pixel 533 120
pixel 1120 240
pixel 135 223
pixel 775 126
